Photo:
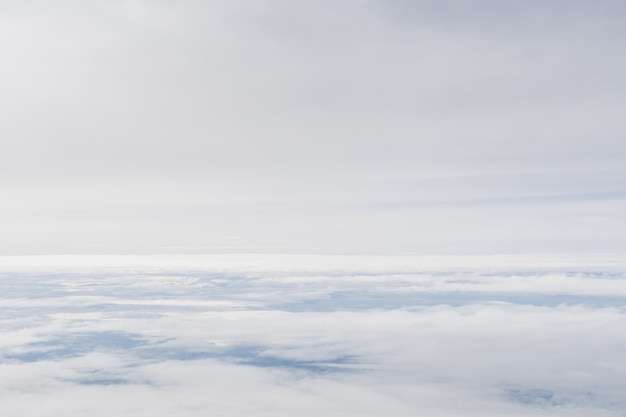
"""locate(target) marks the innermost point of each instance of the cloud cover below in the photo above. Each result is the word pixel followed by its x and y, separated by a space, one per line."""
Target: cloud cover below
pixel 340 336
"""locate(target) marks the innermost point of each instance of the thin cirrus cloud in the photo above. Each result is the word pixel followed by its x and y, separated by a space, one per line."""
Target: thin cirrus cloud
pixel 149 126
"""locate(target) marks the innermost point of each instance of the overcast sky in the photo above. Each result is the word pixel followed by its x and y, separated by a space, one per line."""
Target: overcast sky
pixel 320 126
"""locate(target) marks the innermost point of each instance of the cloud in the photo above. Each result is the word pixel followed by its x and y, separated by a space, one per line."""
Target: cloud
pixel 276 335
pixel 161 88
pixel 133 127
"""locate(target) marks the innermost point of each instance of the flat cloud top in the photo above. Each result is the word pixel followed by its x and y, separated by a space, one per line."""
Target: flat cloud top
pixel 316 263
pixel 278 335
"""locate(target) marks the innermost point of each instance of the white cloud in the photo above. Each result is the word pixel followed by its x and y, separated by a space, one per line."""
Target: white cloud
pixel 279 335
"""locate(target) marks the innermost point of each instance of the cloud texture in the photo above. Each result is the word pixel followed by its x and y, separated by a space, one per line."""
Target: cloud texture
pixel 341 336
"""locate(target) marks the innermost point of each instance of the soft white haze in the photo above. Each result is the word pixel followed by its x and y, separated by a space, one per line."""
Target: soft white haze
pixel 312 126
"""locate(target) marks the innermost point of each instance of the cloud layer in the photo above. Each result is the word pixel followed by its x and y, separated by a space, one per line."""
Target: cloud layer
pixel 339 336
pixel 274 126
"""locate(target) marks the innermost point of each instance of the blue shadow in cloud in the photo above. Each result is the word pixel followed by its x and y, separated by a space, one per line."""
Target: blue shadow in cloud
pixel 254 356
pixel 101 381
pixel 77 344
pixel 250 355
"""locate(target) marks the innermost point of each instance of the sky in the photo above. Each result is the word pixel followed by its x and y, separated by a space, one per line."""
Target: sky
pixel 274 126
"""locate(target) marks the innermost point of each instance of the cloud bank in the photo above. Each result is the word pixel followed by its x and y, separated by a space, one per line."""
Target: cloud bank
pixel 339 336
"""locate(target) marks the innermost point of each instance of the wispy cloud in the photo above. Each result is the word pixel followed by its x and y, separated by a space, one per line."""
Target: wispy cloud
pixel 183 124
